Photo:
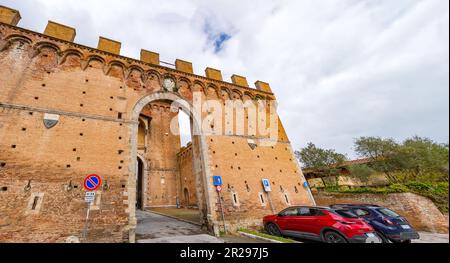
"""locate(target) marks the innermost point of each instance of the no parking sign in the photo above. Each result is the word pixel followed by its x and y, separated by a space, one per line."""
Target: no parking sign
pixel 92 182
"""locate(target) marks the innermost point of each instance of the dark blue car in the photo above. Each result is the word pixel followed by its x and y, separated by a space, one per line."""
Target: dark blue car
pixel 389 225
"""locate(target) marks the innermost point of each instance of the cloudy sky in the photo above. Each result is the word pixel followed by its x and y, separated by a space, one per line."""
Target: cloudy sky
pixel 340 68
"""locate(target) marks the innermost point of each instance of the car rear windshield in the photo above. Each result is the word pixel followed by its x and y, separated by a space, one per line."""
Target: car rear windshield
pixel 345 213
pixel 388 212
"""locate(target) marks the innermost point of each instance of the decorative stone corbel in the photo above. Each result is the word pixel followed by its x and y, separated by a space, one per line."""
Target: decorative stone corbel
pixel 3 45
pixel 84 64
pixel 33 52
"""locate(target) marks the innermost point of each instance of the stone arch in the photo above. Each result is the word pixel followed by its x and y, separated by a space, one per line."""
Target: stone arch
pixel 91 58
pixel 136 68
pixel 152 80
pixel 201 84
pixel 249 94
pixel 225 92
pixel 154 73
pixel 14 37
pixel 236 94
pixel 203 149
pixel 9 40
pixel 69 52
pixel 184 88
pixel 214 88
pixel 181 79
pixel 40 45
pixel 110 69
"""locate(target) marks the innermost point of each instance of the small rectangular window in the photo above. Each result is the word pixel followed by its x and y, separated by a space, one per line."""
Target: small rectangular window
pixel 235 199
pixel 261 199
pixel 286 198
pixel 35 202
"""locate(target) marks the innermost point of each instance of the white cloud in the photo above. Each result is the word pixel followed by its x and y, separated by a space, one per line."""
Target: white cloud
pixel 340 68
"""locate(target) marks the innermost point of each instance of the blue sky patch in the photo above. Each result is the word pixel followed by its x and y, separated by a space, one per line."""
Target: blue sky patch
pixel 220 40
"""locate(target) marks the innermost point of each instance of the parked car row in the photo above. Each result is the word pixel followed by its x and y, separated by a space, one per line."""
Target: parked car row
pixel 341 223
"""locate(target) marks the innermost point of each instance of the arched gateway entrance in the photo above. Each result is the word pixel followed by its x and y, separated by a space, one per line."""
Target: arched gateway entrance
pixel 200 160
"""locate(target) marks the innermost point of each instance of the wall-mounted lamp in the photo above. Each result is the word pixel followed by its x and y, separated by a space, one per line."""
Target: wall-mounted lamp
pixel 106 185
pixel 28 186
pixel 69 187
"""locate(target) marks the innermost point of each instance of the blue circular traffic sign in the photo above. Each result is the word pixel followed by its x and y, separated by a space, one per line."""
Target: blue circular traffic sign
pixel 92 182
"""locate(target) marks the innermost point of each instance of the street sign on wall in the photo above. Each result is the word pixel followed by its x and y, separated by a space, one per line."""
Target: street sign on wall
pixel 89 197
pixel 217 180
pixel 92 182
pixel 266 184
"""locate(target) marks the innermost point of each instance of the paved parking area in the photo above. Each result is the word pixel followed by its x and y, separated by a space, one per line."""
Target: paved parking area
pixel 156 228
pixel 151 226
pixel 426 237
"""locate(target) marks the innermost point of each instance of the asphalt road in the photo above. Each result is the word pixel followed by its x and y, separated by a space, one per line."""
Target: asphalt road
pixel 155 228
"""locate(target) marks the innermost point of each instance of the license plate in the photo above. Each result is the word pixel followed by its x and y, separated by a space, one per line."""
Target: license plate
pixel 370 235
pixel 406 227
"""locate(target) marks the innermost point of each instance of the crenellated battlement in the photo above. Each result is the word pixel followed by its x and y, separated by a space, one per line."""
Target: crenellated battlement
pixel 66 34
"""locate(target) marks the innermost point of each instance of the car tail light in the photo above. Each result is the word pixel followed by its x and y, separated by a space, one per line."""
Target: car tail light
pixel 387 221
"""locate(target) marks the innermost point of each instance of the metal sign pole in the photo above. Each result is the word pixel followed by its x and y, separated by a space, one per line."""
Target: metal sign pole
pixel 87 221
pixel 270 202
pixel 221 210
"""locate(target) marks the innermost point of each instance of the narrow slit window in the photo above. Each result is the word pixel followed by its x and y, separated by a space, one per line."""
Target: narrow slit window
pixel 261 199
pixel 35 202
pixel 286 198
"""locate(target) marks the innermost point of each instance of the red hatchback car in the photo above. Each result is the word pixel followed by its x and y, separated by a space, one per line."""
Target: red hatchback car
pixel 321 224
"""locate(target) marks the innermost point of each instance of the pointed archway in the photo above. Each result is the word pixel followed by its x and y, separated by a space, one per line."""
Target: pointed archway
pixel 201 161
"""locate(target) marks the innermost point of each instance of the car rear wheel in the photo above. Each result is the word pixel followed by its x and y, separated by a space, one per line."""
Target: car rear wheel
pixel 273 230
pixel 383 238
pixel 333 237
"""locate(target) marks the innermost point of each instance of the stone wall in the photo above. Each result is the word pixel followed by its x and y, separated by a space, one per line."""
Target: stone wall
pixel 97 97
pixel 418 210
pixel 160 154
pixel 188 192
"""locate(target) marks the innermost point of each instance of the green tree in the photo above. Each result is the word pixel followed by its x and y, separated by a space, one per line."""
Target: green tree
pixel 424 159
pixel 415 159
pixel 361 171
pixel 323 160
pixel 317 158
pixel 382 153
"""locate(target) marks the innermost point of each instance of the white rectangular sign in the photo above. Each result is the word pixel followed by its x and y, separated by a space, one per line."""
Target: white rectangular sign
pixel 89 197
pixel 266 184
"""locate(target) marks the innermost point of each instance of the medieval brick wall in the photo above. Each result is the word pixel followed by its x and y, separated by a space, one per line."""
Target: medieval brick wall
pixel 188 192
pixel 161 156
pixel 98 96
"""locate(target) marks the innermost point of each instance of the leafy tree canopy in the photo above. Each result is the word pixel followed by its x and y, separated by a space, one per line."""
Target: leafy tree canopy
pixel 314 157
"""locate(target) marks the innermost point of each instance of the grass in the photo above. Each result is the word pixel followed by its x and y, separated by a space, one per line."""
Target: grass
pixel 256 233
pixel 436 192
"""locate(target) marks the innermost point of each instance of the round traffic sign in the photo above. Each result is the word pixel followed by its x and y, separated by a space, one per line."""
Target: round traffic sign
pixel 92 182
pixel 219 188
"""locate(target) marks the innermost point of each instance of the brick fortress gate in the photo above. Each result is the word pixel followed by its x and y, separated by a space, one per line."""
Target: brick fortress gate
pixel 68 110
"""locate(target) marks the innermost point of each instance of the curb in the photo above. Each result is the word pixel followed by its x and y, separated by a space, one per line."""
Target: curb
pixel 258 237
pixel 174 217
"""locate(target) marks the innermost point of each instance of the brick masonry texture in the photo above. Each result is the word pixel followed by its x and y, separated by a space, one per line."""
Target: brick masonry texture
pixel 95 94
pixel 421 212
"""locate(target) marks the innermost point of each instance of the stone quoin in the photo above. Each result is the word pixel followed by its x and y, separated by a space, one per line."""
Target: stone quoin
pixel 113 116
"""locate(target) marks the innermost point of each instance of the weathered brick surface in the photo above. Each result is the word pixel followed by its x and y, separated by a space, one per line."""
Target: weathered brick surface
pixel 419 210
pixel 95 95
